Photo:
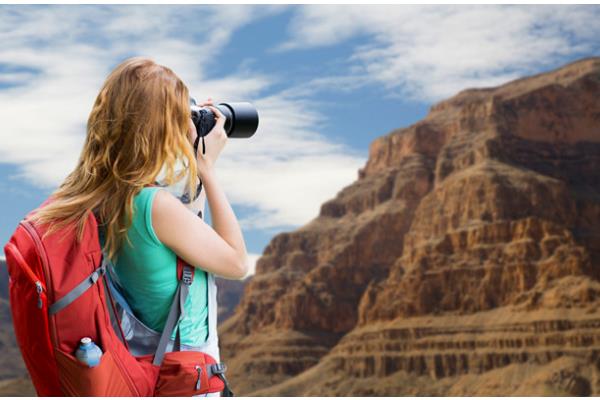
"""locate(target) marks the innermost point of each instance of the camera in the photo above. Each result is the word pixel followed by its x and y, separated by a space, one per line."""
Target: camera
pixel 241 119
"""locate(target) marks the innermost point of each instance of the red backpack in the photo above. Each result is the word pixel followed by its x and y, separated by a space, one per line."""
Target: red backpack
pixel 59 294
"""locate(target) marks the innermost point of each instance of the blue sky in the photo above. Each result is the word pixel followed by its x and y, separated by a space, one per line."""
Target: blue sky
pixel 326 80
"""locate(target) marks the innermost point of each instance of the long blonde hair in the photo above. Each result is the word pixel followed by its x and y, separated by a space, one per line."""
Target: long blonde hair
pixel 138 126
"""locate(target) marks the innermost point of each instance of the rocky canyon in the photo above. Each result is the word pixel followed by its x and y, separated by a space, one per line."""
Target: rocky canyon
pixel 464 260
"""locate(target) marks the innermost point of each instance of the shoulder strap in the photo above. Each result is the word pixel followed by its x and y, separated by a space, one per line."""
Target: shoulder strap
pixel 176 312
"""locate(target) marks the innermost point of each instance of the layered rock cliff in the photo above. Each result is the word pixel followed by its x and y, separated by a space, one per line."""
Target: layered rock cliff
pixel 464 260
pixel 229 293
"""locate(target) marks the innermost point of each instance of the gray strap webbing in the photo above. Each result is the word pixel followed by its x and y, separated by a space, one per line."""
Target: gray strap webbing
pixel 177 344
pixel 187 277
pixel 78 290
pixel 116 290
pixel 175 314
pixel 112 311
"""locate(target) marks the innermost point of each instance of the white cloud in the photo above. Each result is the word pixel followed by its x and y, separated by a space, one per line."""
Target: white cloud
pixel 431 52
pixel 58 57
pixel 285 171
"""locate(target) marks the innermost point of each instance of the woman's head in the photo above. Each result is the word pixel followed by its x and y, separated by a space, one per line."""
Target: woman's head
pixel 139 125
pixel 139 122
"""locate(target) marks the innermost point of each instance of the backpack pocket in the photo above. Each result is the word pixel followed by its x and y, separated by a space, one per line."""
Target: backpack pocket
pixel 187 373
pixel 78 379
pixel 29 312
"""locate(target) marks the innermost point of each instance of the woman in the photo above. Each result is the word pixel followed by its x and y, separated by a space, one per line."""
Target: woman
pixel 140 126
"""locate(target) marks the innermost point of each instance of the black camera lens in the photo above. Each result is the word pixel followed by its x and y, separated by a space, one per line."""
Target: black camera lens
pixel 241 119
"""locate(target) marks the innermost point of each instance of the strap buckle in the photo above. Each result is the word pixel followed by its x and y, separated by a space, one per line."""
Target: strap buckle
pixel 188 275
pixel 97 273
pixel 219 368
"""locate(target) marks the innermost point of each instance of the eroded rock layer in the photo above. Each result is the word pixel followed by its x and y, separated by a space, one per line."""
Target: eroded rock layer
pixel 464 260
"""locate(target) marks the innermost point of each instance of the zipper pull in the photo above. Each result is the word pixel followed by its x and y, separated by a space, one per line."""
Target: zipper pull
pixel 199 369
pixel 39 289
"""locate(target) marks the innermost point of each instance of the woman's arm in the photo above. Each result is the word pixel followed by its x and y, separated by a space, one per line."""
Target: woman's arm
pixel 221 250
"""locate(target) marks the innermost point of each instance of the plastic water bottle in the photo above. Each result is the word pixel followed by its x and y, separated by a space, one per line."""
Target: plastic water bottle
pixel 88 353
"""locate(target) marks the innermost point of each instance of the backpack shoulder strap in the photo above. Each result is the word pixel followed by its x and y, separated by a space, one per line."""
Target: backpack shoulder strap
pixel 176 312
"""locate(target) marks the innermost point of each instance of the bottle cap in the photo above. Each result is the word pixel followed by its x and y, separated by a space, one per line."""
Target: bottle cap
pixel 86 340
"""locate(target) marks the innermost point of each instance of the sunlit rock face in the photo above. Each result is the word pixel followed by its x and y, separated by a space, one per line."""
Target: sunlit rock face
pixel 464 259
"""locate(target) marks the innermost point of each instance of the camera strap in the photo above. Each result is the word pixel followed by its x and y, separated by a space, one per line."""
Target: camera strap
pixel 196 144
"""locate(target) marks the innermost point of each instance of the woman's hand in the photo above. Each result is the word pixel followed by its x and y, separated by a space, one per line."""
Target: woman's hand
pixel 214 141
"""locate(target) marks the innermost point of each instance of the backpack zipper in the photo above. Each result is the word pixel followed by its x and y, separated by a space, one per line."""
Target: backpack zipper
pixel 199 369
pixel 39 287
pixel 44 258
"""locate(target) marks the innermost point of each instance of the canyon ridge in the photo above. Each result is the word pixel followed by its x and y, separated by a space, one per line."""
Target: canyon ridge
pixel 464 260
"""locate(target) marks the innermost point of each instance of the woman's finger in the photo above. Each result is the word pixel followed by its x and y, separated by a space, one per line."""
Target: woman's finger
pixel 207 102
pixel 217 112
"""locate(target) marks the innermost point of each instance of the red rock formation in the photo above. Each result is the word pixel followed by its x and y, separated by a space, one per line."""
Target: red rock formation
pixel 468 246
pixel 228 296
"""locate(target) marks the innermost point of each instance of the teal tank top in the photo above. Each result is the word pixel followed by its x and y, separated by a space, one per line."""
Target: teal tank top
pixel 147 273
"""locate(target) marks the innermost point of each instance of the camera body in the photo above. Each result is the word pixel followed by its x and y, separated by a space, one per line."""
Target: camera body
pixel 241 119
